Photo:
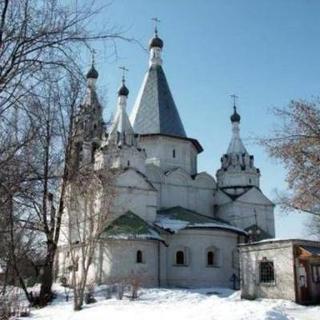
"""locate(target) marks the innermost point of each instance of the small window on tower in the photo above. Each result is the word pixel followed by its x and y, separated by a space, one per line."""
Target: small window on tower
pixel 128 163
pixel 250 181
pixel 173 153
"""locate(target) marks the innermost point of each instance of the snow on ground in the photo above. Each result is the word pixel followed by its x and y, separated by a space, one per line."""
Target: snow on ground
pixel 176 304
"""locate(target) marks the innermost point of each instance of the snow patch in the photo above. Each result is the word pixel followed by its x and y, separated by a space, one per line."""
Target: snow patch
pixel 191 304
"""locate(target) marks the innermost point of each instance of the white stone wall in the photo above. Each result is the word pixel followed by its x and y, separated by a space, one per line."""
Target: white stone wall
pixel 178 188
pixel 134 193
pixel 196 273
pixel 238 178
pixel 118 261
pixel 121 158
pixel 169 153
pixel 242 215
pixel 282 256
pixel 247 210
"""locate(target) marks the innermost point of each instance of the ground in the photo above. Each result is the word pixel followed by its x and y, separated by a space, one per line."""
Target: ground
pixel 166 304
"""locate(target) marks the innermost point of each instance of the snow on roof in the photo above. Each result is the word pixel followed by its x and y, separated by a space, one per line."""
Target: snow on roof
pixel 274 240
pixel 178 218
pixel 130 226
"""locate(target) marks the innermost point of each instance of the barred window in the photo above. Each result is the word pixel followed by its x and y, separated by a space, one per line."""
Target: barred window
pixel 266 271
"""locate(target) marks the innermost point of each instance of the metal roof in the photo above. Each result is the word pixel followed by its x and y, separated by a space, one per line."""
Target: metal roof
pixel 179 218
pixel 155 110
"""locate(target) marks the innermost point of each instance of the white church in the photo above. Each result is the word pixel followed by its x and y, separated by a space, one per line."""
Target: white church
pixel 175 225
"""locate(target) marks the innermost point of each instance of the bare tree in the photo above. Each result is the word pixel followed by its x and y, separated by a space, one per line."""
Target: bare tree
pixel 40 44
pixel 38 35
pixel 296 143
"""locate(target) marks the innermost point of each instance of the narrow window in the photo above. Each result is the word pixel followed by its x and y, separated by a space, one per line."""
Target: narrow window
pixel 128 163
pixel 250 181
pixel 266 272
pixel 94 148
pixel 180 258
pixel 139 256
pixel 173 153
pixel 210 258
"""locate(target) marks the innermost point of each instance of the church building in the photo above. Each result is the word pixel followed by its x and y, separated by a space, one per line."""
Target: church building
pixel 172 224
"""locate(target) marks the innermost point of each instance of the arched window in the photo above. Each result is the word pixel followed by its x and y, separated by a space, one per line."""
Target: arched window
pixel 173 153
pixel 210 258
pixel 139 256
pixel 180 258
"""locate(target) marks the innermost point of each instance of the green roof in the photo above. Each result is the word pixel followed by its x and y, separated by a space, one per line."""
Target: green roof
pixel 130 226
pixel 178 218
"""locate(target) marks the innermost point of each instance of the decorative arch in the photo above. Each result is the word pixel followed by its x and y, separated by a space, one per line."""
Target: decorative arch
pixel 178 176
pixel 203 179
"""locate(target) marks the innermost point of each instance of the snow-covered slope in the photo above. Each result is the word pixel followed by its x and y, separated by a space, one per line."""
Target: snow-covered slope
pixel 176 304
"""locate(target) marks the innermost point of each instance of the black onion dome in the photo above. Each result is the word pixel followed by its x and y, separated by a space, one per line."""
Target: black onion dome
pixel 156 42
pixel 236 116
pixel 92 73
pixel 123 90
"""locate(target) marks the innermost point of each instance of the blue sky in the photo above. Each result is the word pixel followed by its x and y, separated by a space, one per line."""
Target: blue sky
pixel 267 52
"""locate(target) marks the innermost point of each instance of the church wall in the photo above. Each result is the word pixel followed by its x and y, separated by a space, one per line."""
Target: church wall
pixel 281 254
pixel 195 244
pixel 169 153
pixel 242 215
pixel 118 261
pixel 188 196
pixel 178 188
pixel 141 202
pixel 121 158
pixel 238 178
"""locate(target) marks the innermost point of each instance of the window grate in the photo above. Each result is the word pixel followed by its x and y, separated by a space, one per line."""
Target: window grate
pixel 266 272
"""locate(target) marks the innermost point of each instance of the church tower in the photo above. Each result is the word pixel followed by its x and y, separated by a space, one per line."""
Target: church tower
pixel 89 127
pixel 239 198
pixel 237 165
pixel 156 119
pixel 121 149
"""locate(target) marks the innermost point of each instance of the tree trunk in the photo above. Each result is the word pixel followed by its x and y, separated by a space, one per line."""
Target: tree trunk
pixel 47 275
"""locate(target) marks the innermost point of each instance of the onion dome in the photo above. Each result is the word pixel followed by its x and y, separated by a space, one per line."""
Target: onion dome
pixel 123 90
pixel 92 73
pixel 156 42
pixel 235 116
